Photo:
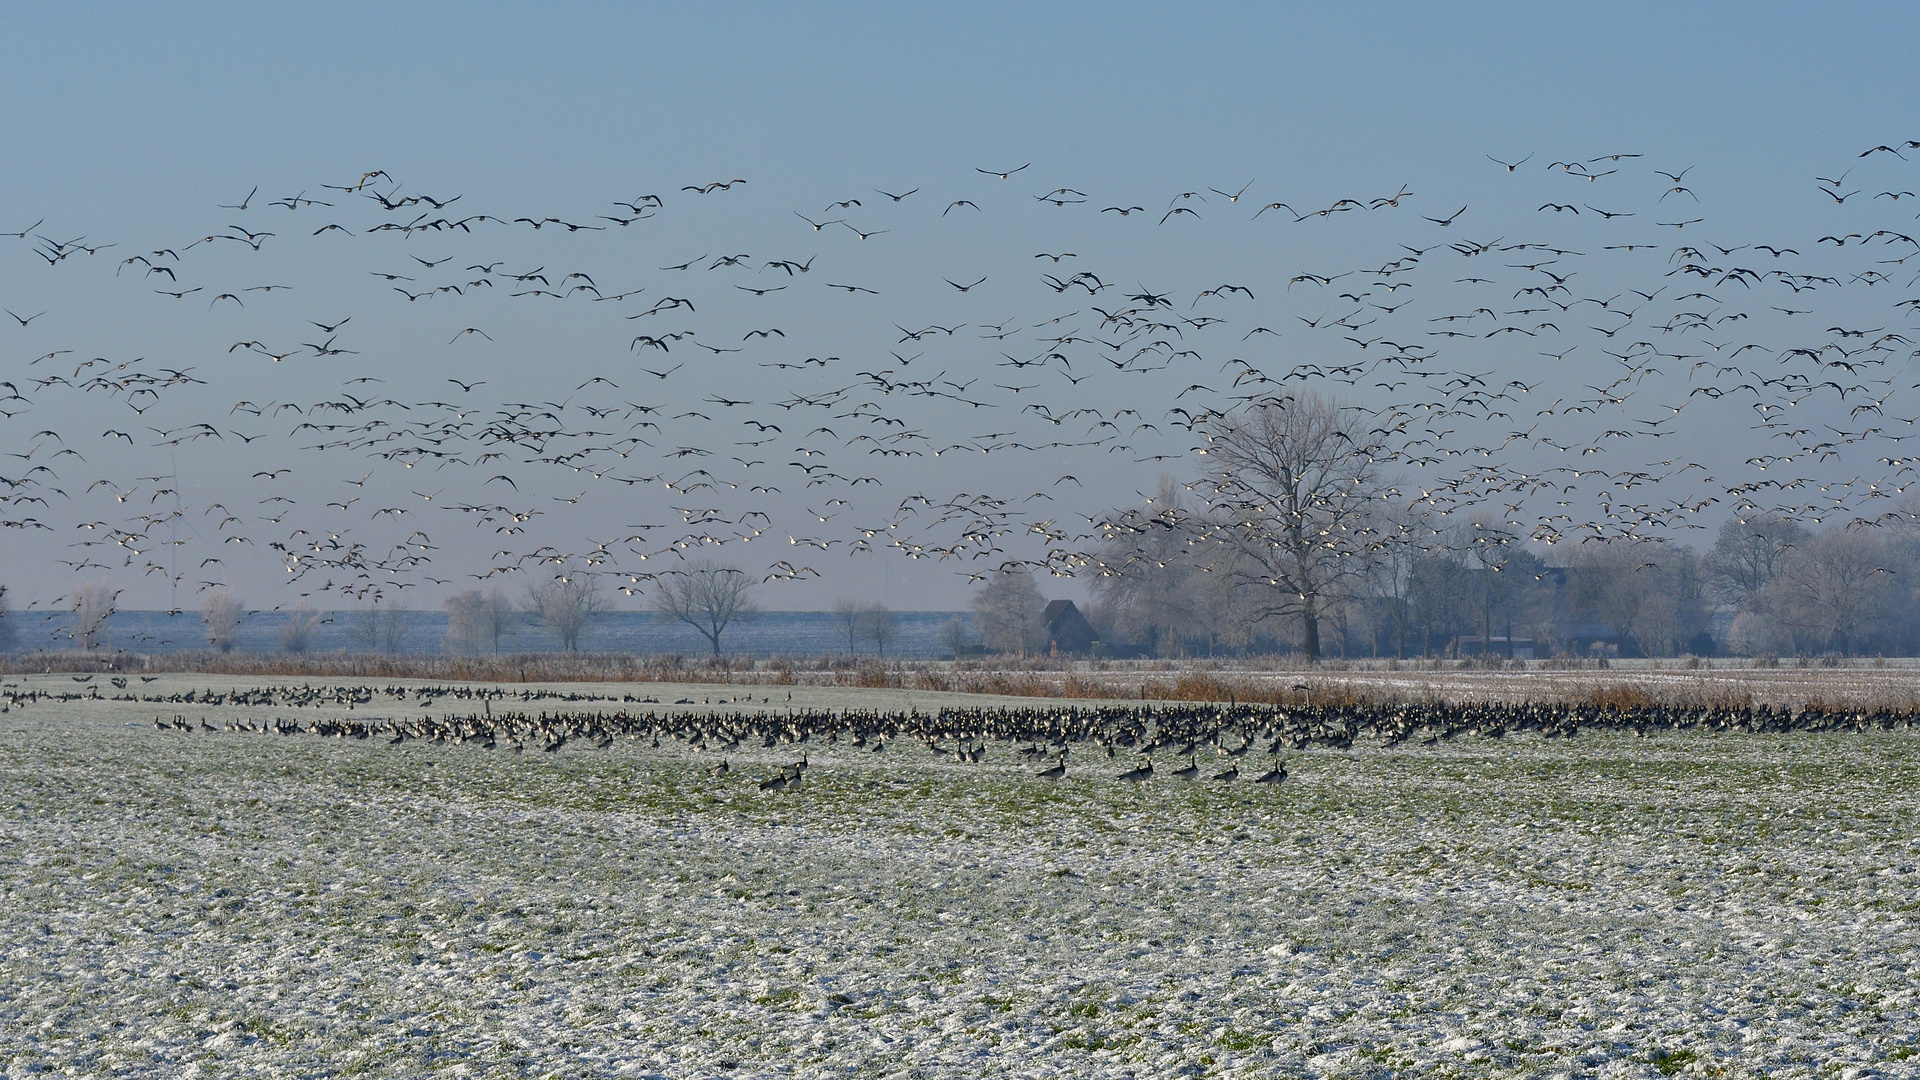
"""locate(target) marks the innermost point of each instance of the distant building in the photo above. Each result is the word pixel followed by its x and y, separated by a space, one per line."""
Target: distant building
pixel 1475 645
pixel 1067 630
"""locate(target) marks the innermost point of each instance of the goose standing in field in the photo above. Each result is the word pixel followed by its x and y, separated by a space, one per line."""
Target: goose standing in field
pixel 1135 775
pixel 1275 775
pixel 1230 773
pixel 1057 770
pixel 1191 770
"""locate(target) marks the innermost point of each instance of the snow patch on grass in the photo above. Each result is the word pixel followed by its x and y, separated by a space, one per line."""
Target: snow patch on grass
pixel 235 905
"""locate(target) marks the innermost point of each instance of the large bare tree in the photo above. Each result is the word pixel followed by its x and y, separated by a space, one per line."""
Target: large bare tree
pixel 1507 581
pixel 1295 496
pixel 706 596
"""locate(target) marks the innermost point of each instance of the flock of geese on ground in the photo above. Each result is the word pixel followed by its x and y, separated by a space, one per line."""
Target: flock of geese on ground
pixel 360 388
pixel 1182 732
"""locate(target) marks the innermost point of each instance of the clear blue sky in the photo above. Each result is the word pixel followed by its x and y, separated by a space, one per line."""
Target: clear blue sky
pixel 132 125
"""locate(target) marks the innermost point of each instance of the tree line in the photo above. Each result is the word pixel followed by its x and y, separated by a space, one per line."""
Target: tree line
pixel 1295 538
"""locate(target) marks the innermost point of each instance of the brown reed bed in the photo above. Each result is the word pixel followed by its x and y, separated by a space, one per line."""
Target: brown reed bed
pixel 1336 684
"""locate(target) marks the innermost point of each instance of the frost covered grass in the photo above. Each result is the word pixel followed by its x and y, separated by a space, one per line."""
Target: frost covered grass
pixel 227 904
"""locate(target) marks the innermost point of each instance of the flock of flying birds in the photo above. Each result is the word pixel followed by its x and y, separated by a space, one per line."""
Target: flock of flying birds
pixel 364 389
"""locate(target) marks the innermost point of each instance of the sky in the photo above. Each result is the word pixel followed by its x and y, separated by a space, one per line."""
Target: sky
pixel 140 128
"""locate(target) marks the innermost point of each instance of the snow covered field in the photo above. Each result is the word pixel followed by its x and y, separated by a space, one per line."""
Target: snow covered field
pixel 222 904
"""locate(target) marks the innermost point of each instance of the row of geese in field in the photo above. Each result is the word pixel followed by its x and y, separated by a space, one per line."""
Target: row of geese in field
pixel 1046 734
pixel 553 733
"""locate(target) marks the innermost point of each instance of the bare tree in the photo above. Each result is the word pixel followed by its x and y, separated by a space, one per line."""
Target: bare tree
pixel 848 612
pixel 1752 633
pixel 1147 576
pixel 1747 554
pixel 1295 494
pixel 1677 615
pixel 953 635
pixel 1407 535
pixel 566 604
pixel 1506 585
pixel 296 634
pixel 477 621
pixel 1836 591
pixel 1437 597
pixel 1007 611
pixel 879 626
pixel 92 604
pixel 395 625
pixel 497 617
pixel 1649 592
pixel 463 621
pixel 363 630
pixel 222 612
pixel 705 596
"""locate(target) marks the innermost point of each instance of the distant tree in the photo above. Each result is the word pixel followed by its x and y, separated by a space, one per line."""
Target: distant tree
pixel 477 621
pixel 1408 532
pixel 222 612
pixel 92 605
pixel 296 634
pixel 1677 617
pixel 1650 592
pixel 1007 611
pixel 847 613
pixel 1438 603
pixel 705 596
pixel 463 617
pixel 1295 497
pixel 1836 591
pixel 498 617
pixel 879 626
pixel 1507 588
pixel 9 632
pixel 395 625
pixel 383 627
pixel 565 605
pixel 363 630
pixel 953 635
pixel 1148 581
pixel 1752 634
pixel 1747 553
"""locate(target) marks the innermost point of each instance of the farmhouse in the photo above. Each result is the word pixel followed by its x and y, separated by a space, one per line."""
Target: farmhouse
pixel 1067 630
